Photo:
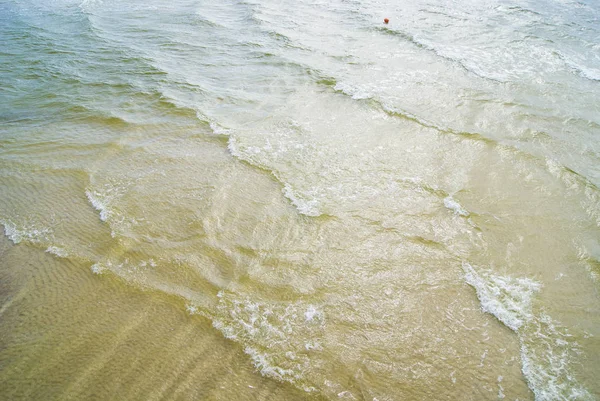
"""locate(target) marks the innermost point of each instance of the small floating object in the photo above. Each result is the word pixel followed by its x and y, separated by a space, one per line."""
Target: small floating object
pixel 385 20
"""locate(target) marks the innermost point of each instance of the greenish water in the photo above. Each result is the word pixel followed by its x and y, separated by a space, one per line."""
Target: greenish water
pixel 292 200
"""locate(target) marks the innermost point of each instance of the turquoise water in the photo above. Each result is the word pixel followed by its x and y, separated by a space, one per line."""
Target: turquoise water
pixel 339 207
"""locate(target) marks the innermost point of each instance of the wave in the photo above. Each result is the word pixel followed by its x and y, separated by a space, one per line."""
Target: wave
pixel 507 298
pixel 546 348
pixel 577 182
pixel 431 48
pixel 305 204
pixel 281 338
pixel 357 93
pixel 593 74
pixel 572 179
pixel 264 328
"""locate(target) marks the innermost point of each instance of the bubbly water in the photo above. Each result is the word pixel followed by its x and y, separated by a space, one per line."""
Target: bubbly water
pixel 276 199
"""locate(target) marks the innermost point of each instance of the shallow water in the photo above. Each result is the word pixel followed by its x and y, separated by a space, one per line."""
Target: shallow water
pixel 272 199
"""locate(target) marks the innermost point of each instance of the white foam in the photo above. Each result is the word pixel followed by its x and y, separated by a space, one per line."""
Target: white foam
pixel 27 232
pixel 546 348
pixel 500 388
pixel 346 394
pixel 97 200
pixel 587 259
pixel 106 199
pixel 310 345
pixel 482 359
pixel 308 207
pixel 192 309
pixel 546 369
pixel 60 252
pixel 355 92
pixel 591 202
pixel 98 268
pixel 218 130
pixel 507 298
pixel 267 368
pixel 312 313
pixel 276 335
pixel 234 149
pixel 453 205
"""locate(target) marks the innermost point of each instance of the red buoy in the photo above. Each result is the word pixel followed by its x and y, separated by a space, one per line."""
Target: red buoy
pixel 386 20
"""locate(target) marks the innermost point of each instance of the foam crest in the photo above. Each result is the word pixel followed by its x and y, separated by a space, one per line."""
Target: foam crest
pixel 234 149
pixel 266 366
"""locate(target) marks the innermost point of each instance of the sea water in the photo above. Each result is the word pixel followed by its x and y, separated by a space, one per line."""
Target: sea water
pixel 273 199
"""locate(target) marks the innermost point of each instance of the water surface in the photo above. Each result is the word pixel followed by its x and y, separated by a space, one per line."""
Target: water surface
pixel 272 199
